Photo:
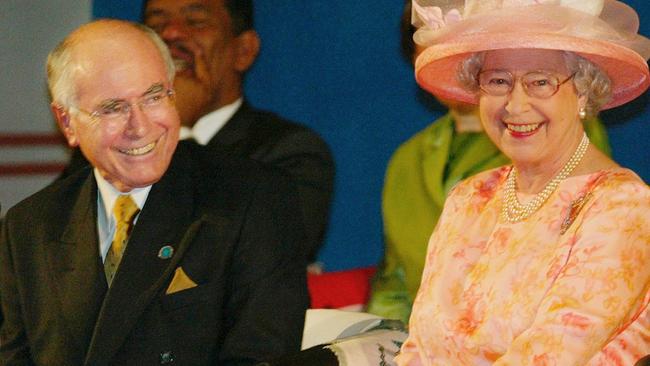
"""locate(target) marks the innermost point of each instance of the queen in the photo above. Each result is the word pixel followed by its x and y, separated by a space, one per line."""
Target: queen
pixel 545 261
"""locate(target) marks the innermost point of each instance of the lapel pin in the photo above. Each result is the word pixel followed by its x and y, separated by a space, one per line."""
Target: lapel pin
pixel 166 252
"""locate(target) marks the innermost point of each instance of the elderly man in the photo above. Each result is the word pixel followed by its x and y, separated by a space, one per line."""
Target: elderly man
pixel 213 44
pixel 155 254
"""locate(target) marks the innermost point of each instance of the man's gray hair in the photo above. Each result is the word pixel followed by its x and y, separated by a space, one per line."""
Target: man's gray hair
pixel 62 67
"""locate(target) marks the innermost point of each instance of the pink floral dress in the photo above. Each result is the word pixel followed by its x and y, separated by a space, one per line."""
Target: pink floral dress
pixel 570 285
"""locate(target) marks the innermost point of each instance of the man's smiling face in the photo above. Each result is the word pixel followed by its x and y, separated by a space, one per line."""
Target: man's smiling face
pixel 136 150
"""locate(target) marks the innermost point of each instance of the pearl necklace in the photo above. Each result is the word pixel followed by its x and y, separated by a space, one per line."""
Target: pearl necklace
pixel 513 211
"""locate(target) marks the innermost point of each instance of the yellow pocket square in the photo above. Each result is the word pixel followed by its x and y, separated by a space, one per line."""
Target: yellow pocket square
pixel 180 282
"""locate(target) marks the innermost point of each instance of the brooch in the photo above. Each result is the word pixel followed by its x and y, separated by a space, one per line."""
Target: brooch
pixel 574 210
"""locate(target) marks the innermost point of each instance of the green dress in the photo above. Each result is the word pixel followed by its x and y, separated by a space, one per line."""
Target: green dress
pixel 419 175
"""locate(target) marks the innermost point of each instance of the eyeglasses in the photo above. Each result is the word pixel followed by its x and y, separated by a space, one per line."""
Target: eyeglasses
pixel 537 84
pixel 152 103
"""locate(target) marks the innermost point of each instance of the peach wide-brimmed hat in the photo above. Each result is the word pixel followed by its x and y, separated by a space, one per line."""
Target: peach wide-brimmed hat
pixel 603 31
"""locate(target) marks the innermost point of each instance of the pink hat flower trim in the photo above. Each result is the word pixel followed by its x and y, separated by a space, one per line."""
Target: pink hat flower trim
pixel 432 16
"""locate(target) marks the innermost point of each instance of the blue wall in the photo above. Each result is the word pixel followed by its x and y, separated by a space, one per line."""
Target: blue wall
pixel 335 66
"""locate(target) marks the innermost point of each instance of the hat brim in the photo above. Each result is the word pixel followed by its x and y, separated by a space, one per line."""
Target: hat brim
pixel 437 66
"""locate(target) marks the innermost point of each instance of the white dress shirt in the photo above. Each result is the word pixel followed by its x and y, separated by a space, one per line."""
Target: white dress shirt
pixel 208 126
pixel 106 221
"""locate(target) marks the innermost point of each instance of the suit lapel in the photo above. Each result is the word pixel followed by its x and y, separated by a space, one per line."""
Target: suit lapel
pixel 235 130
pixel 164 218
pixel 76 267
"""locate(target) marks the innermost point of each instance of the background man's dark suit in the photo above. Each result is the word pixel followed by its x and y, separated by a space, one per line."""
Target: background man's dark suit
pixel 232 225
pixel 268 138
pixel 303 155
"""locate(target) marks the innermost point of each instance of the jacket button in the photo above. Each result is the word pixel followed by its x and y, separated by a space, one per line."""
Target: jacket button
pixel 166 358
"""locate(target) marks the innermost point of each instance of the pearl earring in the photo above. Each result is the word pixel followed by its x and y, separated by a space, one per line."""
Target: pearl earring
pixel 582 113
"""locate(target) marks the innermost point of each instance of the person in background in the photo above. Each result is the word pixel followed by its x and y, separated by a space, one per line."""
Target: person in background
pixel 213 44
pixel 544 261
pixel 420 175
pixel 157 253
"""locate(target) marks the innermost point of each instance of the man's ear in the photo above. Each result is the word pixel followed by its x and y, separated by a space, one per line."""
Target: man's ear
pixel 247 48
pixel 62 117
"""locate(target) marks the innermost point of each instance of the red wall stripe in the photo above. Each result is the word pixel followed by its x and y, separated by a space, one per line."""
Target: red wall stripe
pixel 31 169
pixel 31 139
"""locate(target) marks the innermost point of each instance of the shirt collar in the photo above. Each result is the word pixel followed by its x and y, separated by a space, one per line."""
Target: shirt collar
pixel 108 194
pixel 207 126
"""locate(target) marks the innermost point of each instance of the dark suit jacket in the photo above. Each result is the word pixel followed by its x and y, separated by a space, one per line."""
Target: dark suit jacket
pixel 301 153
pixel 233 229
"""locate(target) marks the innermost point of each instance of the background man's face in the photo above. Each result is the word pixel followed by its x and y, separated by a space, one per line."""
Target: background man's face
pixel 200 37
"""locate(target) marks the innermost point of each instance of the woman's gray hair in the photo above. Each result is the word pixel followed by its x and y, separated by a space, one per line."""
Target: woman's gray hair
pixel 467 73
pixel 589 80
pixel 62 68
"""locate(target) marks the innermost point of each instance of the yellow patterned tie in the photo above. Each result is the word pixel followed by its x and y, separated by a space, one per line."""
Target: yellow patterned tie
pixel 125 211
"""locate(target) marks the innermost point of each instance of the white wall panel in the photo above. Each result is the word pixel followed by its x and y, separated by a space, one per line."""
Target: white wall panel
pixel 29 29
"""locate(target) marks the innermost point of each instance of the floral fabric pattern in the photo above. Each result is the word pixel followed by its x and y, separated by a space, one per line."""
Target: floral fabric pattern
pixel 570 285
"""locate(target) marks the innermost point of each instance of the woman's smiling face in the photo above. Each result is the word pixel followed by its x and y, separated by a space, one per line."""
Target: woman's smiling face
pixel 531 130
